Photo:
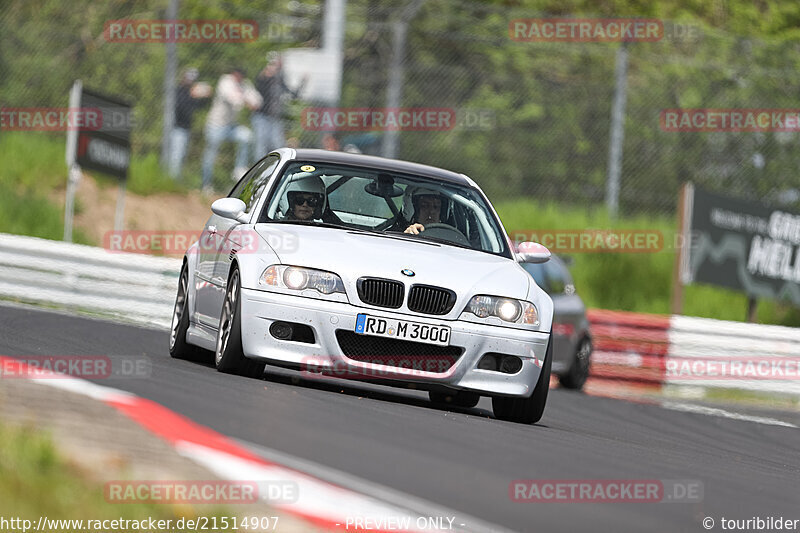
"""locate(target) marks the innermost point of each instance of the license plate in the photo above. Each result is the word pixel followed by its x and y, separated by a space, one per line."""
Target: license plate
pixel 402 329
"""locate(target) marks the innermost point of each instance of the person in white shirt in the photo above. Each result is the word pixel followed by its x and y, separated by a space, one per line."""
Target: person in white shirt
pixel 233 92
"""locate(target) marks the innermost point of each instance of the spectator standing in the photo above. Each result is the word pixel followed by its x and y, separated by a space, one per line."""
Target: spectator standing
pixel 191 94
pixel 331 142
pixel 233 92
pixel 268 119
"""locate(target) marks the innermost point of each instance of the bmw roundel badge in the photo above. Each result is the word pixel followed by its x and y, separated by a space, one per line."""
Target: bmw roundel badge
pixel 407 272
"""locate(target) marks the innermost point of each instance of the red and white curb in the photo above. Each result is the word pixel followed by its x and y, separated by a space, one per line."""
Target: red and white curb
pixel 324 504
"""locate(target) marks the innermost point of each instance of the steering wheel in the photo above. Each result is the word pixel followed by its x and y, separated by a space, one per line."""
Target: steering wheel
pixel 446 232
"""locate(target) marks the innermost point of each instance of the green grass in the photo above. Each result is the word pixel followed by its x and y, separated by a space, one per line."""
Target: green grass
pixel 603 279
pixel 32 160
pixel 33 164
pixel 37 160
pixel 28 213
pixel 757 398
pixel 35 481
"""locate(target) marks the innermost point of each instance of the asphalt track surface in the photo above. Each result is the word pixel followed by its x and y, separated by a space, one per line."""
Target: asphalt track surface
pixel 460 459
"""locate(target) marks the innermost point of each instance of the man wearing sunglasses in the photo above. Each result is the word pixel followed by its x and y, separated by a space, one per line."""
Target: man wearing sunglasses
pixel 306 198
pixel 303 205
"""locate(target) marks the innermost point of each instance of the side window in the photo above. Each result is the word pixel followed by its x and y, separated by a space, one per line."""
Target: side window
pixel 252 184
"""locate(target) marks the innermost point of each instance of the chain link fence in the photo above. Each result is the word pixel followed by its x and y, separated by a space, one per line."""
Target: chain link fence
pixel 533 119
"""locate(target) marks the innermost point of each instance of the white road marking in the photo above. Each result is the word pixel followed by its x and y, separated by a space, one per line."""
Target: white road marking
pixel 713 411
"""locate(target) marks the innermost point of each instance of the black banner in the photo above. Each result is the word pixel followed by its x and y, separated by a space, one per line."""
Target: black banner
pixel 746 246
pixel 105 145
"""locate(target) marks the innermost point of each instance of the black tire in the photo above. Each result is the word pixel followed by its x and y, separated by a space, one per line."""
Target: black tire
pixel 527 410
pixel 229 356
pixel 459 399
pixel 578 372
pixel 178 347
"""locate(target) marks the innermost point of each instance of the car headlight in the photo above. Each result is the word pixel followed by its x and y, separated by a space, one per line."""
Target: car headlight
pixel 506 309
pixel 299 278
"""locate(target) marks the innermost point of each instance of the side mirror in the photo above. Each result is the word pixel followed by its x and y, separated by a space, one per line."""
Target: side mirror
pixel 231 208
pixel 532 252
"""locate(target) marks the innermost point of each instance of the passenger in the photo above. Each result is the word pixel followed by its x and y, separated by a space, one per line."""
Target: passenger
pixel 306 199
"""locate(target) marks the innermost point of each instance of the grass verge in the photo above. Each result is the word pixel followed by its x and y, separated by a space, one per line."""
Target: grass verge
pixel 36 482
pixel 37 161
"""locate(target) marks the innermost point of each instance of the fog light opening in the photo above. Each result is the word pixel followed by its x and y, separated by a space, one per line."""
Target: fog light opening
pixel 488 362
pixel 510 364
pixel 281 330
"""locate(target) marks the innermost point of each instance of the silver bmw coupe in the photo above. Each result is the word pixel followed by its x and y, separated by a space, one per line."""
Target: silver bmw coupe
pixel 356 266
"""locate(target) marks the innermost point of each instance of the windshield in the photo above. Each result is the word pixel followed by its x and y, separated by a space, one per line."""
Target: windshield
pixel 394 204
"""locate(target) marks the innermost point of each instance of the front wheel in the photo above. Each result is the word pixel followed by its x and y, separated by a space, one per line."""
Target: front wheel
pixel 229 356
pixel 578 372
pixel 527 410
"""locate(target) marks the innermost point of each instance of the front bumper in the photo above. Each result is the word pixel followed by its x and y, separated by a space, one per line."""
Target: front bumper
pixel 259 309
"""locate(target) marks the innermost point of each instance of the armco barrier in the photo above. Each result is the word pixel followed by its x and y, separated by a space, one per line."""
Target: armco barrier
pixel 132 286
pixel 629 346
pixel 709 342
pixel 698 352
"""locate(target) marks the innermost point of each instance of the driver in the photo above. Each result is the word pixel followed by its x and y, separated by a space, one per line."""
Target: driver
pixel 427 207
pixel 306 198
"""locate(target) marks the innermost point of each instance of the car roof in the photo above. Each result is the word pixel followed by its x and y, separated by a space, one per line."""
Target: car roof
pixel 390 165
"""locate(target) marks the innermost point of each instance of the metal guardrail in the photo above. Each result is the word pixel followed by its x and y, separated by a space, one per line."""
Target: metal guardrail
pixel 629 347
pixel 632 347
pixel 769 354
pixel 703 353
pixel 135 287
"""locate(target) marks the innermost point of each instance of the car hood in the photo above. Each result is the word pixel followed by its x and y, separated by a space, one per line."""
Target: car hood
pixel 353 254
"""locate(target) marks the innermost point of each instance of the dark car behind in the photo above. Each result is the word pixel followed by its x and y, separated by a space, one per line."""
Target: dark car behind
pixel 573 342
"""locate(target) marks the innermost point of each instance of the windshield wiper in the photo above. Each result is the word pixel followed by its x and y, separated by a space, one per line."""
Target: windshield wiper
pixel 319 224
pixel 389 234
pixel 404 236
pixel 445 241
